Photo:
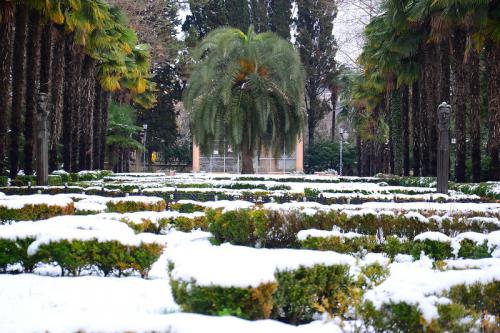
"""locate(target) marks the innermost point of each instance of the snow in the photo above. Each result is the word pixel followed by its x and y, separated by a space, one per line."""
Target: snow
pixel 416 216
pixel 95 203
pixel 238 266
pixel 82 228
pixel 304 234
pixel 475 237
pixel 19 201
pixel 433 236
pixel 417 283
pixel 226 204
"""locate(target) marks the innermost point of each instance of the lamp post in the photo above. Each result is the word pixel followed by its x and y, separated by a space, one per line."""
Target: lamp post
pixel 343 136
pixel 145 127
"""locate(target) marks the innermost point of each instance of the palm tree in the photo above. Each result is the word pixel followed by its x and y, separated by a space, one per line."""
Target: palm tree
pixel 248 88
pixel 18 92
pixel 6 30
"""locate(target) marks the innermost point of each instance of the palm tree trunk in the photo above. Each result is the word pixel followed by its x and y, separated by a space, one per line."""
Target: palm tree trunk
pixel 405 129
pixel 415 113
pixel 69 100
pixel 424 133
pixel 246 156
pixel 493 59
pixel 310 130
pixel 57 96
pixel 444 82
pixel 475 115
pixel 359 150
pixel 333 100
pixel 389 111
pixel 76 115
pixel 18 86
pixel 32 86
pixel 432 95
pixel 96 146
pixel 6 32
pixel 106 98
pixel 87 113
pixel 459 99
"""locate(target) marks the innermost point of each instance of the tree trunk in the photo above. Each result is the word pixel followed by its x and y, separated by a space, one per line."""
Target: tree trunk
pixel 57 96
pixel 390 113
pixel 87 113
pixel 493 59
pixel 32 87
pixel 76 116
pixel 359 151
pixel 424 132
pixel 247 153
pixel 310 131
pixel 475 115
pixel 405 129
pixel 432 95
pixel 415 113
pixel 96 146
pixel 444 79
pixel 459 99
pixel 106 98
pixel 333 99
pixel 69 100
pixel 6 31
pixel 18 87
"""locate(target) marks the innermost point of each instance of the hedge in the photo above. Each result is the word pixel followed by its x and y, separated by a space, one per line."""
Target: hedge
pixel 292 298
pixel 341 244
pixel 34 212
pixel 125 206
pixel 275 229
pixel 76 255
pixel 468 305
pixel 180 223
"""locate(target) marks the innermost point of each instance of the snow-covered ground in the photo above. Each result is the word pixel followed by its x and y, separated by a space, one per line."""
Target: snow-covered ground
pixel 47 302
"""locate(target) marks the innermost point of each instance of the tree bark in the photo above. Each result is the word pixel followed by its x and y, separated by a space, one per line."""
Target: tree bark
pixel 6 34
pixel 18 87
pixel 333 99
pixel 87 113
pixel 310 130
pixel 96 146
pixel 493 59
pixel 76 116
pixel 475 115
pixel 459 99
pixel 424 132
pixel 57 96
pixel 106 98
pixel 247 153
pixel 405 129
pixel 415 112
pixel 444 81
pixel 432 95
pixel 32 87
pixel 69 100
pixel 359 151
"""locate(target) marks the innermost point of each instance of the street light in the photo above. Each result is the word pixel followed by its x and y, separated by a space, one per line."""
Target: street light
pixel 145 127
pixel 343 136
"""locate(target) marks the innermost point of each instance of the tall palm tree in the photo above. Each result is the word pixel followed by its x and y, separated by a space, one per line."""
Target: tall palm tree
pixel 6 32
pixel 18 87
pixel 248 88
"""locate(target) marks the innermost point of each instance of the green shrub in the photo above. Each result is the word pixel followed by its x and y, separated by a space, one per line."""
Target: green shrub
pixel 247 303
pixel 394 246
pixel 24 180
pixel 34 212
pixel 55 180
pixel 301 291
pixel 4 181
pixel 482 298
pixel 16 252
pixel 186 207
pixel 126 206
pixel 73 256
pixel 469 249
pixel 435 249
pixel 235 227
pixel 340 244
pixel 274 229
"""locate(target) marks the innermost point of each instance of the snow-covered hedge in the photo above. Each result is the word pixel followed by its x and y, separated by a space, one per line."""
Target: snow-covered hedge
pixel 34 207
pixel 256 283
pixel 96 204
pixel 78 242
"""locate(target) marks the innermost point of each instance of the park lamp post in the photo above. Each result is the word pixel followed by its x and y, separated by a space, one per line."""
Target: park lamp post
pixel 343 136
pixel 145 127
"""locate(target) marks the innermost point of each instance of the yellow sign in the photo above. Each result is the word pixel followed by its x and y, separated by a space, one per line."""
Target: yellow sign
pixel 154 156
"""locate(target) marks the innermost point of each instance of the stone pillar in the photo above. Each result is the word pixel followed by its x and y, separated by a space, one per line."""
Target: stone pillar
pixel 196 158
pixel 299 156
pixel 42 140
pixel 443 158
